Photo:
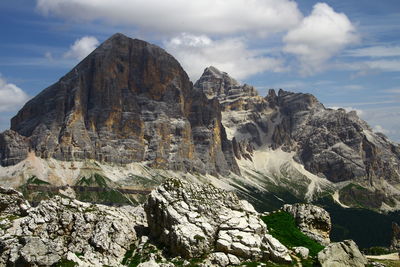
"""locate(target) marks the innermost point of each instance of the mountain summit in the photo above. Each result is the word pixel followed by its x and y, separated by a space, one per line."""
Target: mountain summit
pixel 130 102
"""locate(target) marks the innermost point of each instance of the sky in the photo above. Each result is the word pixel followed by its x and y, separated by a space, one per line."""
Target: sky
pixel 346 53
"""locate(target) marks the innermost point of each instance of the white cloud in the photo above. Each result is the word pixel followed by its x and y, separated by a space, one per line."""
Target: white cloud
pixel 375 51
pixel 384 120
pixel 195 52
pixel 348 109
pixel 369 67
pixel 319 36
pixel 11 96
pixel 82 47
pixel 176 16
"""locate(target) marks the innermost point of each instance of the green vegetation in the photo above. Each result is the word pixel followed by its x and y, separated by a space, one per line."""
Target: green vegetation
pixel 65 263
pixel 377 251
pixel 267 264
pixel 199 237
pixel 367 228
pixel 36 181
pixel 103 194
pixel 94 180
pixel 282 226
pixel 357 196
pixel 264 200
pixel 33 195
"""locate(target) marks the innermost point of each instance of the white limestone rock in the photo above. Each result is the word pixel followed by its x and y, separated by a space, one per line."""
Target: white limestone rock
pixel 60 227
pixel 192 220
pixel 313 221
pixel 302 251
pixel 342 254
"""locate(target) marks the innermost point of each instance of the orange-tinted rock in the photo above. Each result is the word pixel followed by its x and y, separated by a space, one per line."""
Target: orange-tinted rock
pixel 128 101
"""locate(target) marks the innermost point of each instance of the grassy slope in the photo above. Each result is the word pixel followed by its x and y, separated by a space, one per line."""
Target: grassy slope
pixel 282 226
pixel 367 228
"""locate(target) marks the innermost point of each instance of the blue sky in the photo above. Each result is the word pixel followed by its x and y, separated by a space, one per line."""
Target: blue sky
pixel 346 53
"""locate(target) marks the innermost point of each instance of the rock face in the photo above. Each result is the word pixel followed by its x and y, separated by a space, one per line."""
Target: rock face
pixel 313 221
pixel 128 101
pixel 395 244
pixel 332 144
pixel 342 254
pixel 193 220
pixel 187 220
pixel 62 228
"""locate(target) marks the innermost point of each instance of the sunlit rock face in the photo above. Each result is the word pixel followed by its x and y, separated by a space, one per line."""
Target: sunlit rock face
pixel 128 101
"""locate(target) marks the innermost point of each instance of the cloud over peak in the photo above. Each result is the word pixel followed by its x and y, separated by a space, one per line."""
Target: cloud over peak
pixel 319 37
pixel 176 16
pixel 82 47
pixel 195 52
pixel 11 96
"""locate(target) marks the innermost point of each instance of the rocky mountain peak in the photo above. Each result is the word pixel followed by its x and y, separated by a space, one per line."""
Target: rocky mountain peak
pixel 215 83
pixel 128 101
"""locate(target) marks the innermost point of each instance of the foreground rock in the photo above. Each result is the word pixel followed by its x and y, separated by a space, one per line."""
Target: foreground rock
pixel 192 220
pixel 313 221
pixel 62 228
pixel 342 254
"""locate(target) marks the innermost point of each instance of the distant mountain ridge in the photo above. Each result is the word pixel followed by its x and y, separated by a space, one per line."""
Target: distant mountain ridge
pixel 130 102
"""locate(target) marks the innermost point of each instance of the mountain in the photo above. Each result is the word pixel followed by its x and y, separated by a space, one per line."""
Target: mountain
pixel 129 112
pixel 128 101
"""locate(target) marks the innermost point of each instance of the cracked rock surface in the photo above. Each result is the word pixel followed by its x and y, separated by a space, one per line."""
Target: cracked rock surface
pixel 313 221
pixel 193 220
pixel 62 228
pixel 342 254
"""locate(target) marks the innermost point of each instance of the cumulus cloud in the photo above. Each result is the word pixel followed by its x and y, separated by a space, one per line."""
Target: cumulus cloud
pixel 82 47
pixel 199 17
pixel 195 52
pixel 319 36
pixel 11 96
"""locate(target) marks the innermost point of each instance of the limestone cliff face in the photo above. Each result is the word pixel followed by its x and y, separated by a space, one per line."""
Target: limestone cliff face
pixel 333 144
pixel 128 101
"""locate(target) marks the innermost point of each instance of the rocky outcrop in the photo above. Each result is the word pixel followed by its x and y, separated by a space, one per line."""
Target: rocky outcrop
pixel 12 203
pixel 332 144
pixel 128 101
pixel 313 221
pixel 187 220
pixel 192 220
pixel 62 228
pixel 13 148
pixel 395 244
pixel 342 254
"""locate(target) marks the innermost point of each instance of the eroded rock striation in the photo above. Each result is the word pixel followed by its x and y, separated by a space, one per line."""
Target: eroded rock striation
pixel 194 220
pixel 313 221
pixel 342 254
pixel 332 144
pixel 128 101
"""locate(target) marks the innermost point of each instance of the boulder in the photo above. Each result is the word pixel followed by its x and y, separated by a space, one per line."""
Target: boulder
pixel 342 254
pixel 302 251
pixel 191 220
pixel 313 221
